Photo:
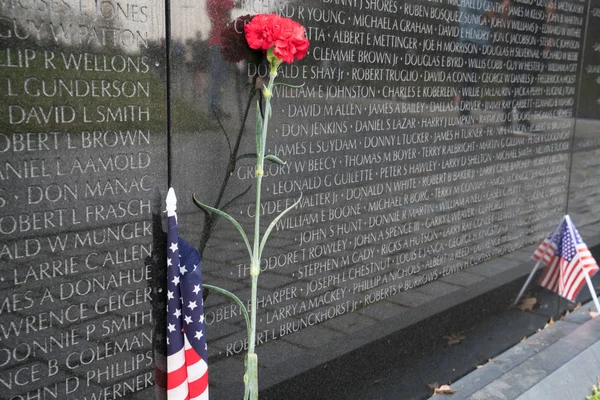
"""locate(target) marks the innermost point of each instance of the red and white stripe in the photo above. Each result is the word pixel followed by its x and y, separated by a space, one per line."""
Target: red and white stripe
pixel 564 278
pixel 574 274
pixel 188 375
pixel 545 251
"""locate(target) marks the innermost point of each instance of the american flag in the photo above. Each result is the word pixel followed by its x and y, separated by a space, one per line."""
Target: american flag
pixel 568 260
pixel 187 368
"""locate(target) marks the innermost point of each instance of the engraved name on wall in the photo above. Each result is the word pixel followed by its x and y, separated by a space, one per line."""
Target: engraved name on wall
pixel 80 152
pixel 428 137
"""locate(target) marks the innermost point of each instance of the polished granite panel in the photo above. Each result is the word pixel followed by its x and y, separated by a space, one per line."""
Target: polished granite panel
pixel 83 145
pixel 431 141
pixel 428 138
pixel 583 191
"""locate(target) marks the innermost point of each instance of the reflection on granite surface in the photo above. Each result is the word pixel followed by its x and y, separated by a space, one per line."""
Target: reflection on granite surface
pixel 428 138
pixel 583 191
pixel 83 145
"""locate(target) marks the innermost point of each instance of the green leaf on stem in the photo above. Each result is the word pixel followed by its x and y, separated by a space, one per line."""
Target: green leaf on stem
pixel 263 242
pixel 235 299
pixel 229 218
pixel 275 159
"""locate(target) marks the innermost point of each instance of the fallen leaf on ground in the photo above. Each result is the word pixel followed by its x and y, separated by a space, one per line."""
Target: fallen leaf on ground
pixel 479 366
pixel 524 338
pixel 454 338
pixel 444 389
pixel 594 314
pixel 433 385
pixel 577 307
pixel 550 322
pixel 527 304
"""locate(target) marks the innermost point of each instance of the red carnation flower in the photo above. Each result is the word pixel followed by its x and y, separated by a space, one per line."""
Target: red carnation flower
pixel 285 36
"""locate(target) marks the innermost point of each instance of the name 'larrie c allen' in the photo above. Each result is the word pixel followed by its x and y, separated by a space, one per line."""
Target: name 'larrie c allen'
pixel 46 270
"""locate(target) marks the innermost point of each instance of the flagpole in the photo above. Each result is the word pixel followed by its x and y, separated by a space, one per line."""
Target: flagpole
pixel 592 291
pixel 587 276
pixel 527 283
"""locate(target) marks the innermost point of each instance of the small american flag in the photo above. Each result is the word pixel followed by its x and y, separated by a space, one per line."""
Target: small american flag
pixel 568 260
pixel 187 368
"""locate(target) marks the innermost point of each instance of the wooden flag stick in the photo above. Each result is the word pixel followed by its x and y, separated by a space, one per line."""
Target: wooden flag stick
pixel 527 283
pixel 592 291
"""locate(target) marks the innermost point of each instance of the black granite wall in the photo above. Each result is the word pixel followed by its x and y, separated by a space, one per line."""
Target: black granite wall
pixel 84 144
pixel 430 139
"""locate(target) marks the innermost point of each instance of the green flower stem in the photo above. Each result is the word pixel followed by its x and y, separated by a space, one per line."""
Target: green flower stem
pixel 254 251
pixel 251 376
pixel 252 360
